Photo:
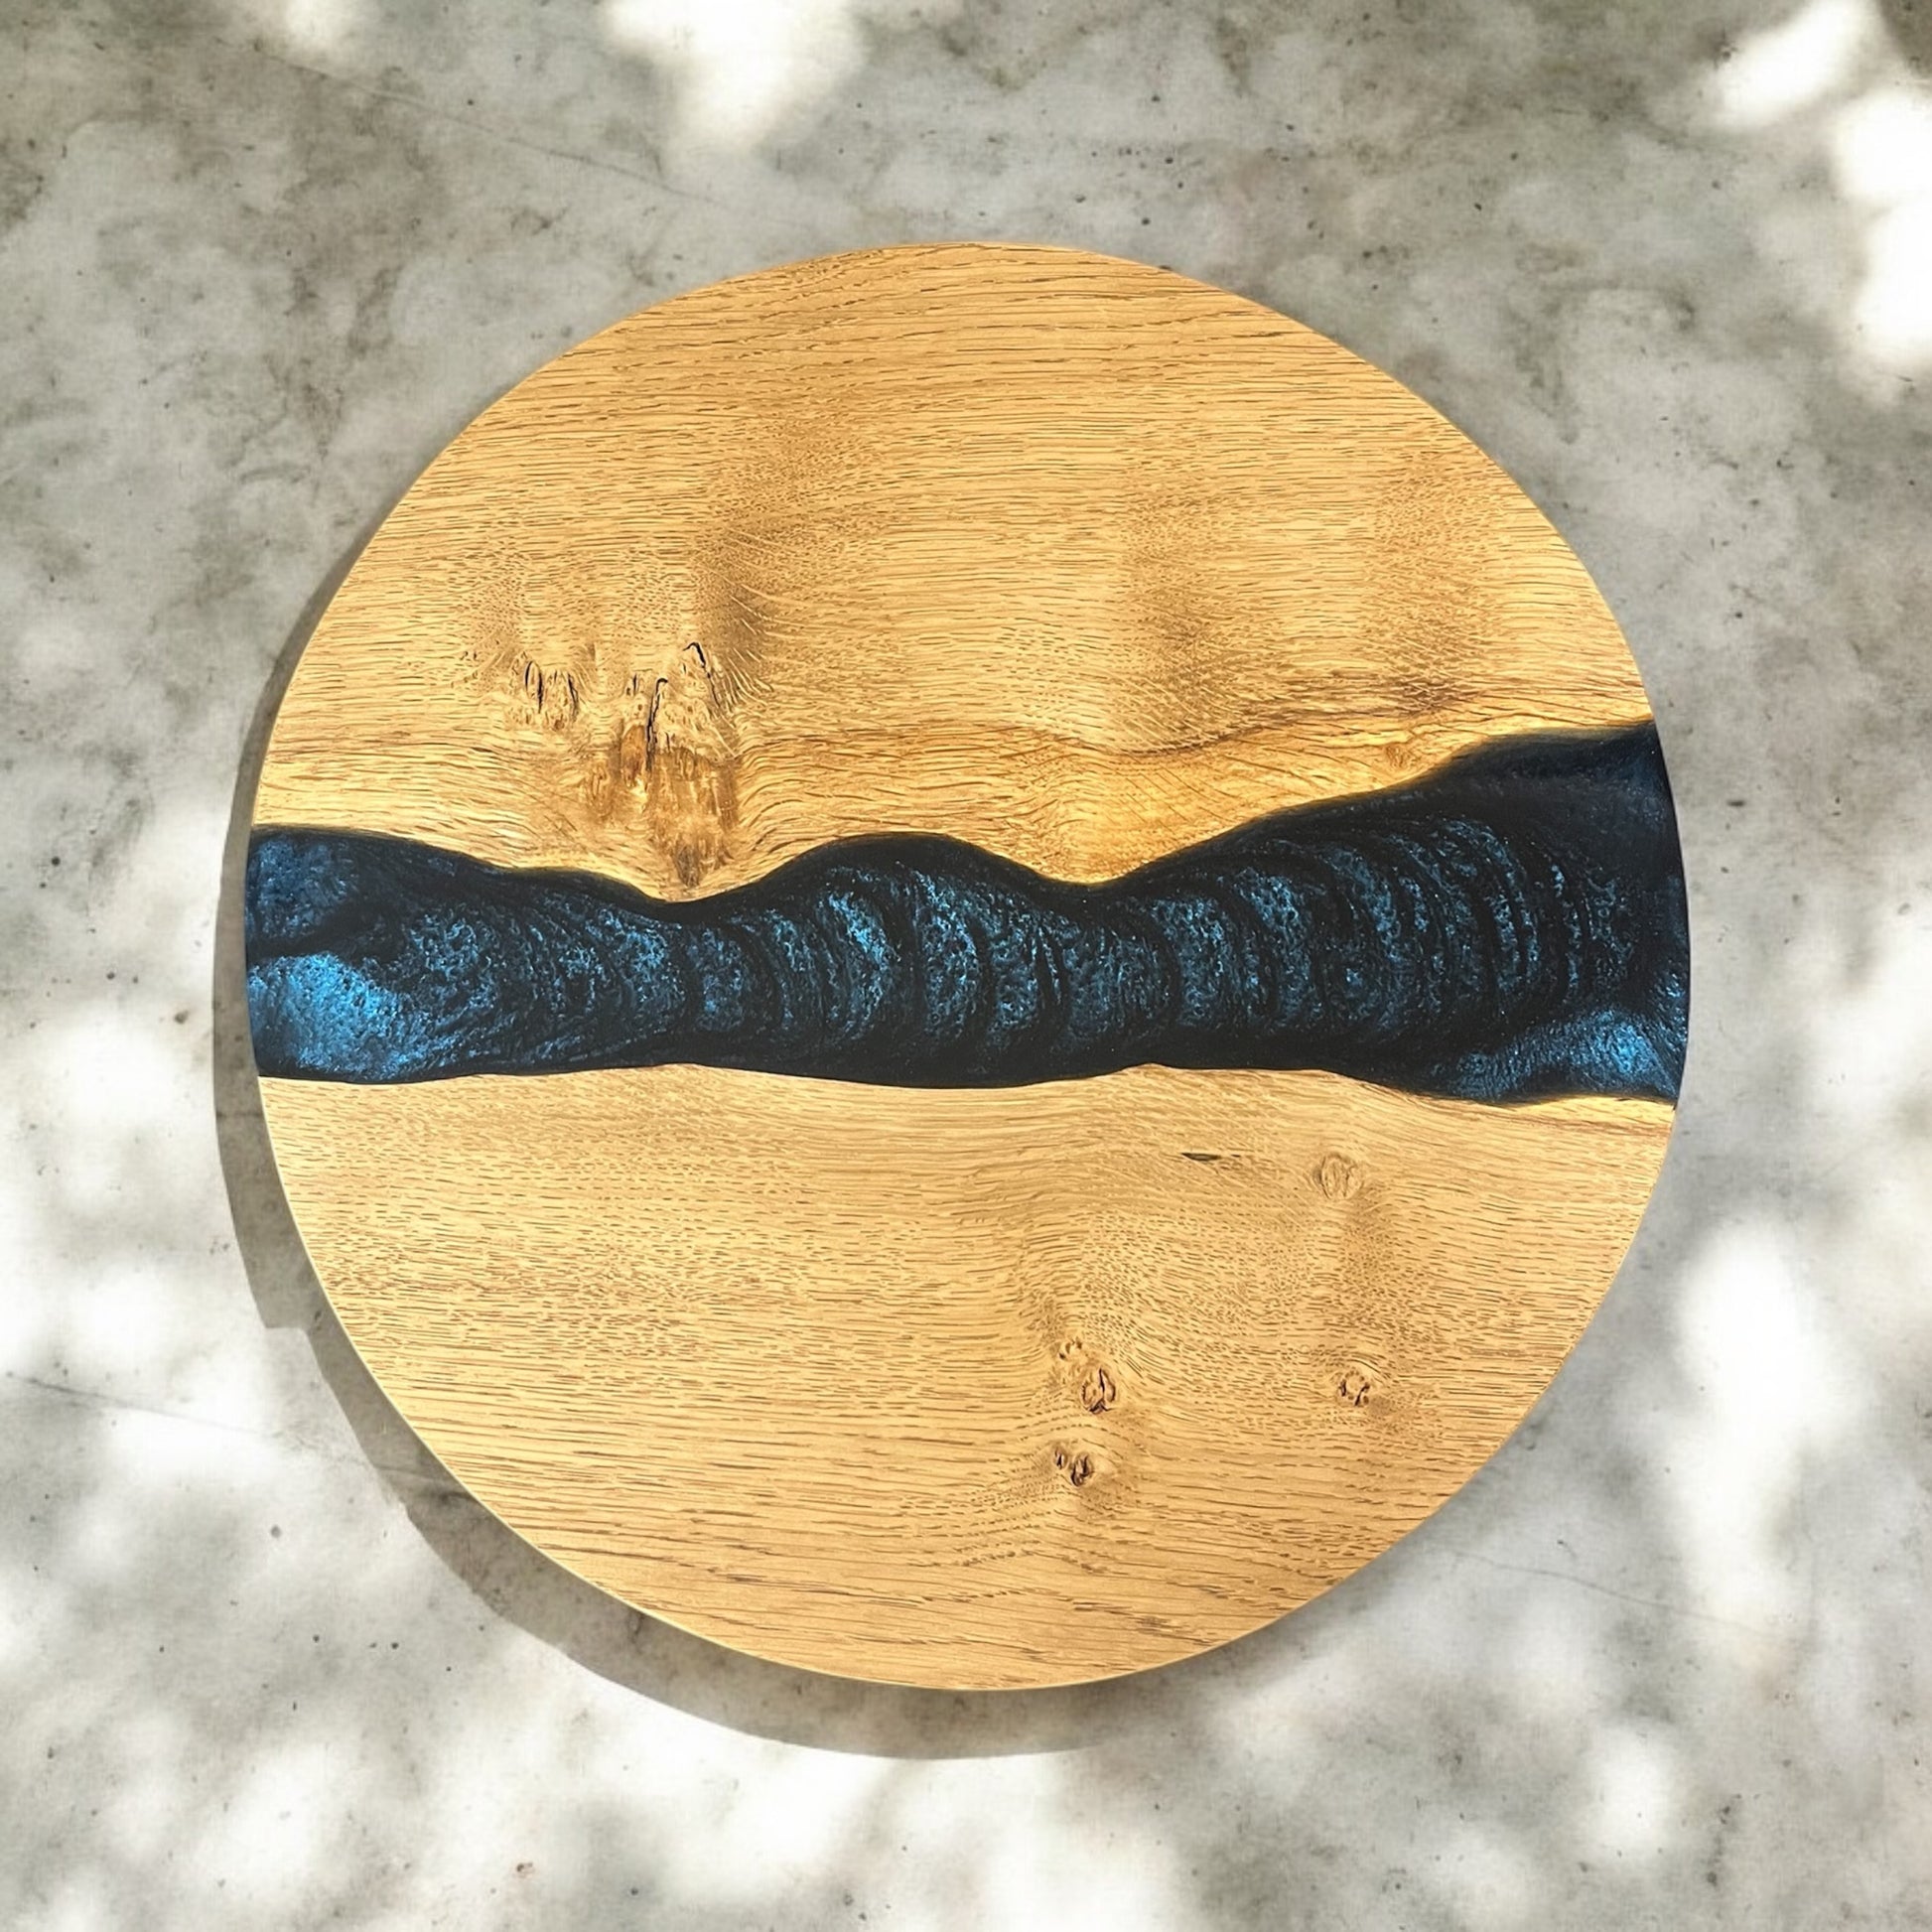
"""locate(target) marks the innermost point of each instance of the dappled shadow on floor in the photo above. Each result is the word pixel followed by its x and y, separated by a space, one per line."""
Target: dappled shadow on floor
pixel 1664 1661
pixel 1909 22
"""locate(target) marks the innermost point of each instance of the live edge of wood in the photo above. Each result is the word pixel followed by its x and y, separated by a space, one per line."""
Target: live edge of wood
pixel 1081 562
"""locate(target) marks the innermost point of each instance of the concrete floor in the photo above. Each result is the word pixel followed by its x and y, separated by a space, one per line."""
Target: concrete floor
pixel 1665 1663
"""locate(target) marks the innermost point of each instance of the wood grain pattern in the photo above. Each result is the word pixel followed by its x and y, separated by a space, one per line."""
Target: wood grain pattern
pixel 998 1387
pixel 1080 562
pixel 1069 557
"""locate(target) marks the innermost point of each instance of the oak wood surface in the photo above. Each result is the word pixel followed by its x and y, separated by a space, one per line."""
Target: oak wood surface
pixel 1081 562
pixel 1069 557
pixel 818 1370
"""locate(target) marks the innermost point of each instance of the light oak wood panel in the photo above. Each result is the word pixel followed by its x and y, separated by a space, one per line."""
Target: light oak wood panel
pixel 1069 557
pixel 968 1388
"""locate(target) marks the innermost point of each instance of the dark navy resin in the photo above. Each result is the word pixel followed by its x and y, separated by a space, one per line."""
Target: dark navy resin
pixel 1512 926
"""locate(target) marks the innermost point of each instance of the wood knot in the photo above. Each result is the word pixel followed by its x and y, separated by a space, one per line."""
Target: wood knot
pixel 552 695
pixel 633 757
pixel 1339 1177
pixel 1098 1392
pixel 1075 1465
pixel 685 759
pixel 1354 1387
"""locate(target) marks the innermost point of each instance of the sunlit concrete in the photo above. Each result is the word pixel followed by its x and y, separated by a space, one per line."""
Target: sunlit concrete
pixel 1664 1663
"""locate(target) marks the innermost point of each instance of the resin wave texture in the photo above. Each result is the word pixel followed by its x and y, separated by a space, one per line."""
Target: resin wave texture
pixel 1510 927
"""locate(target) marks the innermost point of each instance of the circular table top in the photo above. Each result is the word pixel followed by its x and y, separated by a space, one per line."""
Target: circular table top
pixel 1010 1357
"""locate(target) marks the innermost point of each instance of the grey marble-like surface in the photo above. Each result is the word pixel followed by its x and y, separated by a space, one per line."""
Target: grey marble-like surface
pixel 1665 1663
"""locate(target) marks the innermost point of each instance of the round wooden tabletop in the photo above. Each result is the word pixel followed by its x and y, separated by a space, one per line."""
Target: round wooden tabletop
pixel 960 1361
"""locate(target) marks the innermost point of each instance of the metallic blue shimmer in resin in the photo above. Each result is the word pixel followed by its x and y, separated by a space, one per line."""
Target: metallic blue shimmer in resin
pixel 1512 926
